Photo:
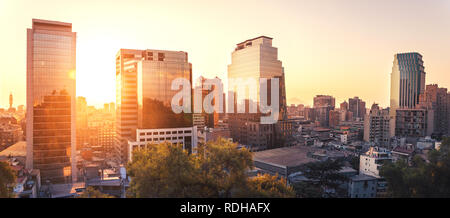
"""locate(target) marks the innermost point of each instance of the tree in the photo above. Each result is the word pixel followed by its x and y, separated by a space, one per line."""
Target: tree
pixel 422 178
pixel 163 170
pixel 91 192
pixel 223 168
pixel 216 169
pixel 267 186
pixel 322 176
pixel 7 179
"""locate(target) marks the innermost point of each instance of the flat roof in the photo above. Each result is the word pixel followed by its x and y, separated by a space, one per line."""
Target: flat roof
pixel 362 177
pixel 51 22
pixel 287 156
pixel 248 40
pixel 16 150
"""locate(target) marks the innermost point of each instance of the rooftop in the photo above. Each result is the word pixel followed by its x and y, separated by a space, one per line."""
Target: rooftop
pixel 287 156
pixel 17 150
pixel 362 177
pixel 249 40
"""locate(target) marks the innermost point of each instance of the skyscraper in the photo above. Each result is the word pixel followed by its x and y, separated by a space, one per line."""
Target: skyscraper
pixel 51 123
pixel 252 60
pixel 143 91
pixel 407 83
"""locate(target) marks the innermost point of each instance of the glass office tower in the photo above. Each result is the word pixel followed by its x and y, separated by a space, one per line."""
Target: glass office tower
pixel 407 80
pixel 51 136
pixel 407 83
pixel 144 95
pixel 155 75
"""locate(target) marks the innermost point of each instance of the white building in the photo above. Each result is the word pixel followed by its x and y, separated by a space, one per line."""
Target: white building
pixel 186 136
pixel 371 162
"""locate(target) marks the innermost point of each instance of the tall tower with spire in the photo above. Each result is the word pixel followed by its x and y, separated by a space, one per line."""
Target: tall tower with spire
pixel 10 100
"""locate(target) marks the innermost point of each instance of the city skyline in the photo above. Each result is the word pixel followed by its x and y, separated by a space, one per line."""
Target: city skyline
pixel 343 66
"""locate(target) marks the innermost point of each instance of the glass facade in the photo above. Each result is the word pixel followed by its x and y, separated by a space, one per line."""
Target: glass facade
pixel 144 95
pixel 154 89
pixel 407 80
pixel 51 100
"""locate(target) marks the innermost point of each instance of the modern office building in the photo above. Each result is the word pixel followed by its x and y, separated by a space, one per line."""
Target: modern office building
pixel 51 104
pixel 144 94
pixel 407 83
pixel 376 126
pixel 252 60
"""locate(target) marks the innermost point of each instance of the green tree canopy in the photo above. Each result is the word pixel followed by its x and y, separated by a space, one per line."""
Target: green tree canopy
pixel 321 175
pixel 217 169
pixel 422 178
pixel 91 192
pixel 7 179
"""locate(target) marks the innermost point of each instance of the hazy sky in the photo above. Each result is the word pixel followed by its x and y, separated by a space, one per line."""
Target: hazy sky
pixel 343 48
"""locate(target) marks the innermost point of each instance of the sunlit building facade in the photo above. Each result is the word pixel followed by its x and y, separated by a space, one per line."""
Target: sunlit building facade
pixel 252 60
pixel 144 95
pixel 407 83
pixel 51 104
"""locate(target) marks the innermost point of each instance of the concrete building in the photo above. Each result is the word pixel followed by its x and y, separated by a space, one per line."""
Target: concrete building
pixel 372 160
pixel 323 105
pixel 357 107
pixel 370 164
pixel 414 123
pixel 51 119
pixel 376 126
pixel 188 137
pixel 252 60
pixel 362 186
pixel 435 99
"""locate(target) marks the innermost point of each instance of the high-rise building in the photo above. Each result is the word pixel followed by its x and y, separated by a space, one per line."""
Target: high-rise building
pixel 51 104
pixel 344 106
pixel 414 122
pixel 407 80
pixel 323 105
pixel 324 100
pixel 435 99
pixel 144 94
pixel 204 119
pixel 376 126
pixel 126 99
pixel 335 117
pixel 82 122
pixel 407 83
pixel 10 100
pixel 358 107
pixel 252 60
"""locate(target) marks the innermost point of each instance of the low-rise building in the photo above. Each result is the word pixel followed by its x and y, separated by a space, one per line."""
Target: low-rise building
pixel 362 186
pixel 187 136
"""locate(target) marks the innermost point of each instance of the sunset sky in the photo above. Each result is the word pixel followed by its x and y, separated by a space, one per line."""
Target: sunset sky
pixel 343 48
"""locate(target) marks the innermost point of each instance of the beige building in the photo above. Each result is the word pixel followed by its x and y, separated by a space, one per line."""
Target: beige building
pixel 376 126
